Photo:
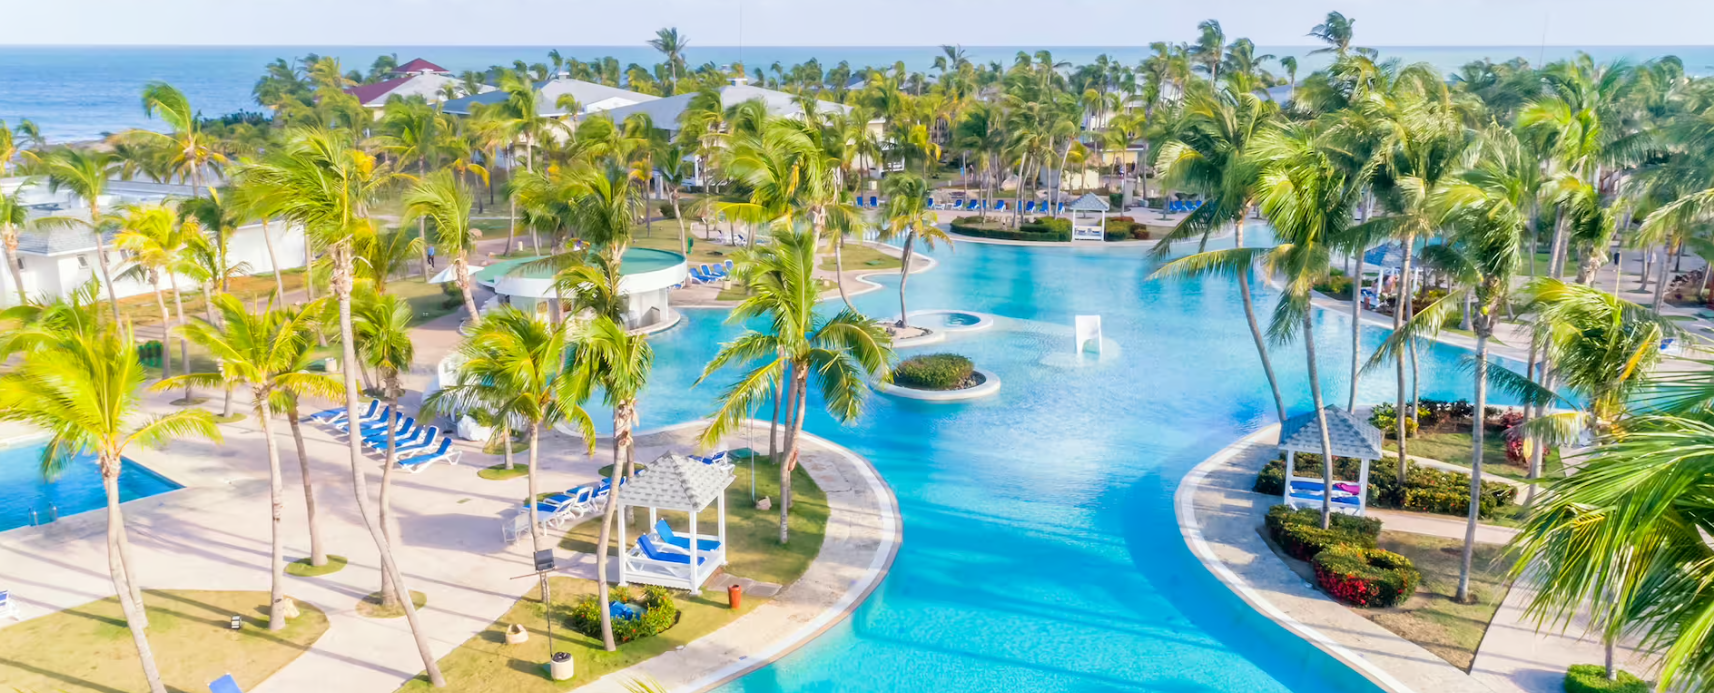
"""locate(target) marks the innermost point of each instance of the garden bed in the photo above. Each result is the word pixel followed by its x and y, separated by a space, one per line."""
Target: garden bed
pixel 1425 489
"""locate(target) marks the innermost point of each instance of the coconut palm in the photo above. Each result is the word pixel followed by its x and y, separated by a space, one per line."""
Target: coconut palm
pixel 673 167
pixel 86 173
pixel 618 362
pixel 327 186
pixel 1213 154
pixel 384 254
pixel 443 198
pixel 193 154
pixel 412 131
pixel 382 327
pixel 839 352
pixel 263 350
pixel 907 216
pixel 83 385
pixel 12 217
pixel 154 239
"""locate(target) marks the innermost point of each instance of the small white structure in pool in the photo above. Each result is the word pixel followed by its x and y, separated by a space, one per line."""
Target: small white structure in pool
pixel 679 561
pixel 1088 330
pixel 1350 437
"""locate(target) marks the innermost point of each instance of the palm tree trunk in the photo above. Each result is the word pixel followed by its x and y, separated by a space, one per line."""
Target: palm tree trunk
pixel 1255 327
pixel 166 323
pixel 461 270
pixel 317 553
pixel 309 273
pixel 101 262
pixel 683 231
pixel 905 276
pixel 184 346
pixel 535 492
pixel 1356 331
pixel 609 516
pixel 11 245
pixel 390 595
pixel 422 250
pixel 774 427
pixel 1401 312
pixel 1321 421
pixel 506 435
pixel 135 616
pixel 354 444
pixel 800 383
pixel 274 262
pixel 1660 280
pixel 1477 433
pixel 276 509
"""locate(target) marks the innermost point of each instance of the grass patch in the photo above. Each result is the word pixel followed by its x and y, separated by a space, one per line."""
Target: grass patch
pixel 230 418
pixel 1433 618
pixel 302 567
pixel 1454 448
pixel 498 447
pixel 861 257
pixel 428 301
pixel 142 309
pixel 486 664
pixel 88 648
pixel 753 536
pixel 499 472
pixel 370 605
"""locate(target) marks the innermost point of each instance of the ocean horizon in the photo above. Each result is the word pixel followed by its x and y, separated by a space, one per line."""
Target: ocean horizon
pixel 84 92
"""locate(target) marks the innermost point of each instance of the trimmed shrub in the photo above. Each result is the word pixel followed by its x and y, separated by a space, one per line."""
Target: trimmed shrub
pixel 1037 233
pixel 934 372
pixel 1299 532
pixel 1366 576
pixel 658 614
pixel 1592 678
pixel 1281 515
pixel 667 210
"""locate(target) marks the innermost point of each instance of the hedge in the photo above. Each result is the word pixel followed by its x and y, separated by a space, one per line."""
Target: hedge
pixel 1365 576
pixel 934 372
pixel 1039 231
pixel 1299 532
pixel 1282 515
pixel 1435 490
pixel 1592 678
pixel 659 614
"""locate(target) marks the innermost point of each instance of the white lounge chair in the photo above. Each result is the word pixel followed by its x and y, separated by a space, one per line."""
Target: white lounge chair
pixel 423 446
pixel 443 454
pixel 9 607
pixel 328 416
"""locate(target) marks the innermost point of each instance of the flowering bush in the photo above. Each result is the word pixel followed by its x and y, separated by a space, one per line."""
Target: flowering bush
pixel 653 614
pixel 1299 532
pixel 1365 576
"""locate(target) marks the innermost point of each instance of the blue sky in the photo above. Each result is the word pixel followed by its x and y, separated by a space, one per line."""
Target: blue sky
pixel 845 23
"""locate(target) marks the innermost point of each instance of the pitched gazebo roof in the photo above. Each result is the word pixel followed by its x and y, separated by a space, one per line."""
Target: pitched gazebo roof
pixel 1090 202
pixel 1351 437
pixel 676 482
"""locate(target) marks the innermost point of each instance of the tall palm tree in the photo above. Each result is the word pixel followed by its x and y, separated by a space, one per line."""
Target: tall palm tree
pixel 328 187
pixel 443 198
pixel 12 217
pixel 154 239
pixel 83 385
pixel 673 167
pixel 671 44
pixel 413 131
pixel 382 327
pixel 86 174
pixel 839 351
pixel 1214 154
pixel 907 215
pixel 194 154
pixel 617 361
pixel 262 350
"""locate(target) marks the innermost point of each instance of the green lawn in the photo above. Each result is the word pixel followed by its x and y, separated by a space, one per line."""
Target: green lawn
pixel 486 664
pixel 88 649
pixel 860 257
pixel 1433 618
pixel 1454 448
pixel 753 535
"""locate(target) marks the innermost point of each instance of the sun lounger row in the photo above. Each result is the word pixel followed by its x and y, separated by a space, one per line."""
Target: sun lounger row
pixel 1177 206
pixel 708 274
pixel 573 503
pixel 415 446
pixel 874 202
pixel 1030 206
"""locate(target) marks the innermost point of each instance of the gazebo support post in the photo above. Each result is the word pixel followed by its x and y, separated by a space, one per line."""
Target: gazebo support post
pixel 695 574
pixel 1363 489
pixel 720 506
pixel 1290 470
pixel 619 519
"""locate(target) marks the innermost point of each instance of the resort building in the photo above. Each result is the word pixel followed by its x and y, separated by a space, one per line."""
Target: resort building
pixel 416 78
pixel 54 262
pixel 561 97
pixel 648 276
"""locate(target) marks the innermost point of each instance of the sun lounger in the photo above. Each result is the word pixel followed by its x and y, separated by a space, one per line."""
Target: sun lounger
pixel 730 267
pixel 224 684
pixel 860 202
pixel 366 419
pixel 553 515
pixel 1000 205
pixel 395 422
pixel 652 552
pixel 423 445
pixel 9 607
pixel 338 413
pixel 444 453
pixel 874 201
pixel 719 459
pixel 402 440
pixel 1029 206
pixel 669 540
pixel 407 428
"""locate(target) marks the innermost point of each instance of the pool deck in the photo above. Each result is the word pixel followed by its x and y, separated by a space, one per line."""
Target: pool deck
pixel 214 534
pixel 1219 517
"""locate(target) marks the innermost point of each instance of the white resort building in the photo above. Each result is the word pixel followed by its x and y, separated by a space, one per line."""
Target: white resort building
pixel 589 97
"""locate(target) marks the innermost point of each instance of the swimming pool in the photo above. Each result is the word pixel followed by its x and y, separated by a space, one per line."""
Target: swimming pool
pixel 1041 550
pixel 26 499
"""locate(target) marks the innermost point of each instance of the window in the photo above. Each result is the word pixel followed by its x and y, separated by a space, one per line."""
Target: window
pixel 83 262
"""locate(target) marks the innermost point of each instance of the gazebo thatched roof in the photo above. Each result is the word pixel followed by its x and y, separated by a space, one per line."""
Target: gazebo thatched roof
pixel 1090 202
pixel 1351 437
pixel 676 482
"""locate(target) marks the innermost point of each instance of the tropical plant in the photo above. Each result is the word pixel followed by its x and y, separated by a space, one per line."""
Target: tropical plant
pixel 444 199
pixel 154 240
pixel 907 215
pixel 381 325
pixel 86 173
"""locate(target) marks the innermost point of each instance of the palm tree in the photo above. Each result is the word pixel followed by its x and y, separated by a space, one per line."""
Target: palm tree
pixel 617 361
pixel 839 351
pixel 12 217
pixel 154 240
pixel 194 154
pixel 674 168
pixel 907 215
pixel 412 131
pixel 384 254
pixel 327 187
pixel 671 43
pixel 86 174
pixel 82 384
pixel 1214 155
pixel 382 326
pixel 444 199
pixel 262 350
pixel 1336 32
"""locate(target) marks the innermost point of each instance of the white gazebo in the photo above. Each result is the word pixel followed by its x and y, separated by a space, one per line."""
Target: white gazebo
pixel 666 558
pixel 1083 229
pixel 1351 438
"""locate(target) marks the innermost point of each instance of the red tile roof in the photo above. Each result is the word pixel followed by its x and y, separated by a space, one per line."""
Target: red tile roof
pixel 367 93
pixel 418 65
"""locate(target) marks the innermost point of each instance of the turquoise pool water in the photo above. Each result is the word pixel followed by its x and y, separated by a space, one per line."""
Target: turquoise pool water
pixel 1041 551
pixel 26 499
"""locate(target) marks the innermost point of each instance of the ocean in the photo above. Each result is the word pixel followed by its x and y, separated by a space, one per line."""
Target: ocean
pixel 84 92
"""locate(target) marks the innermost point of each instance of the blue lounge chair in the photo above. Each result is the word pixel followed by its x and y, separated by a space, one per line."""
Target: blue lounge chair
pixel 654 553
pixel 224 684
pixel 1030 206
pixel 859 201
pixel 874 201
pixel 444 453
pixel 397 421
pixel 338 413
pixel 959 205
pixel 431 438
pixel 367 419
pixel 701 277
pixel 720 270
pixel 670 540
pixel 406 428
pixel 973 206
pixel 9 607
pixel 408 437
pixel 730 268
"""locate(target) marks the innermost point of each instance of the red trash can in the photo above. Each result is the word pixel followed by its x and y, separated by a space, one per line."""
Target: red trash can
pixel 735 596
